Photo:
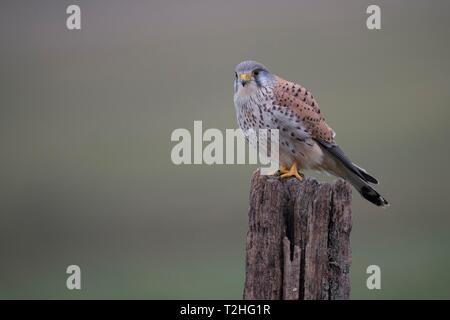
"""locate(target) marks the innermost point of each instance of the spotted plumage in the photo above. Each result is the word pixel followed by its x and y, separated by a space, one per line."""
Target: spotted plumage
pixel 266 101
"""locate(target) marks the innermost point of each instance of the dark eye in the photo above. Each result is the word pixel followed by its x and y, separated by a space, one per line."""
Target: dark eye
pixel 255 73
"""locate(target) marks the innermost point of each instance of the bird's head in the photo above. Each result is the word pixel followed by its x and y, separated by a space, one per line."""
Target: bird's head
pixel 250 76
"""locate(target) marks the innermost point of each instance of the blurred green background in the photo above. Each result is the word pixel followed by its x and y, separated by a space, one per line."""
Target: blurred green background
pixel 86 117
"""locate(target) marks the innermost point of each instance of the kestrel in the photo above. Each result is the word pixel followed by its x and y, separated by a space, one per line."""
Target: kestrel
pixel 265 101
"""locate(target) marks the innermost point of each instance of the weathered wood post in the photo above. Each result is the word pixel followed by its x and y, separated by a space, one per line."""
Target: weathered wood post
pixel 298 239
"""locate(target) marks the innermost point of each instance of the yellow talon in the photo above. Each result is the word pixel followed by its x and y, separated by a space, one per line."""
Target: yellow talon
pixel 283 170
pixel 292 172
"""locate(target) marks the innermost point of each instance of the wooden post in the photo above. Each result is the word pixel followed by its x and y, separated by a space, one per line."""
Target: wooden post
pixel 298 239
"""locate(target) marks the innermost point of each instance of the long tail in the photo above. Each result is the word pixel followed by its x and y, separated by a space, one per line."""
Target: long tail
pixel 366 190
pixel 356 175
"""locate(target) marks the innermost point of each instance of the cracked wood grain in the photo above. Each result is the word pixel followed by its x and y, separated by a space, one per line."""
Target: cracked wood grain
pixel 298 239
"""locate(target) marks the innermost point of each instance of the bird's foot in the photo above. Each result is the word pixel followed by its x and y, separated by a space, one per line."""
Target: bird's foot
pixel 282 170
pixel 292 172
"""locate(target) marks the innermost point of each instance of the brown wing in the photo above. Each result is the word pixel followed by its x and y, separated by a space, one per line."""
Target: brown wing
pixel 302 102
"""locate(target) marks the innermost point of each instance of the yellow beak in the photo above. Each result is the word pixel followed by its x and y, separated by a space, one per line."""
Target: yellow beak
pixel 245 76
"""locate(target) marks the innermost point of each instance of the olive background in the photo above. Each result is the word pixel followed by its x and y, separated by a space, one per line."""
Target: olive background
pixel 86 117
